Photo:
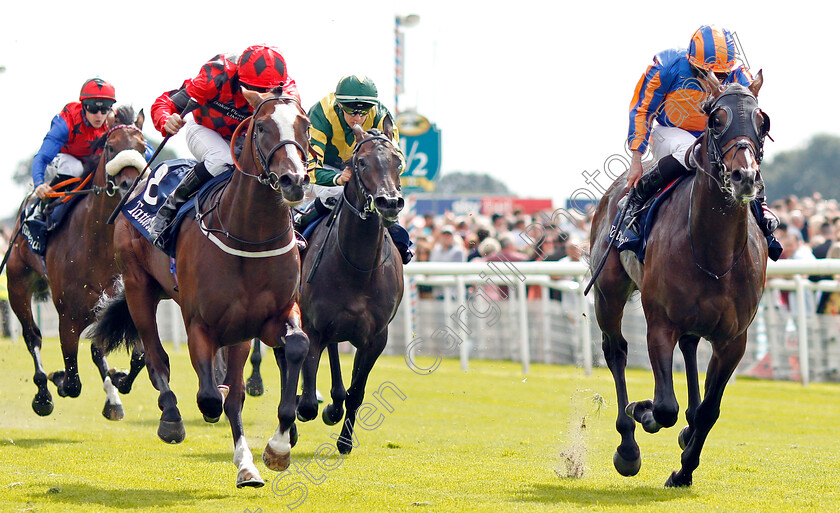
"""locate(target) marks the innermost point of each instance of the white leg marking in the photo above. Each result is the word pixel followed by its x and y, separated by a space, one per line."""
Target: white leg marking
pixel 280 442
pixel 113 397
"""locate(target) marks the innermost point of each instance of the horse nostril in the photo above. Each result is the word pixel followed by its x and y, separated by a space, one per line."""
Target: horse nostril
pixel 736 175
pixel 400 203
pixel 383 203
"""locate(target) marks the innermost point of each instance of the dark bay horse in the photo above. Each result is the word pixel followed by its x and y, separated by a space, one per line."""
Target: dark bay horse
pixel 703 276
pixel 78 267
pixel 237 278
pixel 358 284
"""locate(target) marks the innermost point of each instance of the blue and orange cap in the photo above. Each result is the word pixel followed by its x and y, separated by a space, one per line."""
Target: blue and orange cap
pixel 712 49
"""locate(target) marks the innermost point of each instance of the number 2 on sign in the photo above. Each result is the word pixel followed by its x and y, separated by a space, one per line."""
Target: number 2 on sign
pixel 414 156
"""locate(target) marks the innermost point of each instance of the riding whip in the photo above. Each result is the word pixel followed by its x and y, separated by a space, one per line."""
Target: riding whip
pixel 610 241
pixel 191 105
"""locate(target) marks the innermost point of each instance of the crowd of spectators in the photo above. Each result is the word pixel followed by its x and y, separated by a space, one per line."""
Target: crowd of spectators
pixel 809 228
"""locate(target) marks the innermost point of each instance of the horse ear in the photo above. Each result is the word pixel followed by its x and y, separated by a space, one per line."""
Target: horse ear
pixel 253 97
pixel 141 117
pixel 388 127
pixel 359 132
pixel 111 119
pixel 757 83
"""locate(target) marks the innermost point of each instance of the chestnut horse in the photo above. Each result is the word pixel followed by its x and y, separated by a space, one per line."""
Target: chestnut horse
pixel 358 284
pixel 78 267
pixel 237 278
pixel 703 276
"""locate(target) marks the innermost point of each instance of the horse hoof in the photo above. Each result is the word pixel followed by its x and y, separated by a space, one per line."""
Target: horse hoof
pixel 275 460
pixel 57 379
pixel 344 447
pixel 332 415
pixel 43 406
pixel 249 477
pixel 675 480
pixel 120 380
pixel 684 437
pixel 306 413
pixel 254 387
pixel 171 432
pixel 113 411
pixel 625 467
pixel 211 420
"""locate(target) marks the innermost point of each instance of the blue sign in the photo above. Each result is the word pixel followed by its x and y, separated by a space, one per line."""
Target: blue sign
pixel 420 143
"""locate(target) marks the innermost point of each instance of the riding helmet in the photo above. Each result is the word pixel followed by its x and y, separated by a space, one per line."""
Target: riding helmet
pixel 712 49
pixel 356 91
pixel 262 67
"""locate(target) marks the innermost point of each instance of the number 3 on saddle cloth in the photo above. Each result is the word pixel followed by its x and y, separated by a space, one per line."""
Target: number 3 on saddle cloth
pixel 627 240
pixel 142 209
pixel 36 229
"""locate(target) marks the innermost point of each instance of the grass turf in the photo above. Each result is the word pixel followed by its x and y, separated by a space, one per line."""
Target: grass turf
pixel 486 440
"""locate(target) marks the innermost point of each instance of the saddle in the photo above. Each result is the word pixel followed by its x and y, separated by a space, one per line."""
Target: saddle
pixel 628 240
pixel 142 209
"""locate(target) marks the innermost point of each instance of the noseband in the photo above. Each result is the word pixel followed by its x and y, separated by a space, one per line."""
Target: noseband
pixel 367 198
pixel 265 176
pixel 111 186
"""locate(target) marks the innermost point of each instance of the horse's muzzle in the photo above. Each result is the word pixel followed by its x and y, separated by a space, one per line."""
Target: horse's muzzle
pixel 291 187
pixel 744 184
pixel 389 207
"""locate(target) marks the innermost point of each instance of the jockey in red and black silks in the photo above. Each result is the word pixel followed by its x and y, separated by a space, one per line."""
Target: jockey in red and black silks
pixel 217 90
pixel 221 108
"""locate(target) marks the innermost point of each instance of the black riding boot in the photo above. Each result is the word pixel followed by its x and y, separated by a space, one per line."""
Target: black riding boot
pixel 316 210
pixel 192 181
pixel 768 222
pixel 665 171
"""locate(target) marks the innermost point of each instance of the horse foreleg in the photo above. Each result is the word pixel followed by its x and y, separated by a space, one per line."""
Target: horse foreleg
pixel 688 347
pixel 724 360
pixel 278 451
pixel 203 352
pixel 113 409
pixel 664 409
pixel 366 356
pixel 334 411
pixel 20 300
pixel 247 474
pixel 307 408
pixel 254 385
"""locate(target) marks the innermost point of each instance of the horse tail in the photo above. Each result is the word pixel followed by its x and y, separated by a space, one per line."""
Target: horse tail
pixel 114 326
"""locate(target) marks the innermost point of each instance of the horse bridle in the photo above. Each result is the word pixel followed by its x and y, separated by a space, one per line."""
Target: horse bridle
pixel 366 197
pixel 111 186
pixel 265 176
pixel 741 121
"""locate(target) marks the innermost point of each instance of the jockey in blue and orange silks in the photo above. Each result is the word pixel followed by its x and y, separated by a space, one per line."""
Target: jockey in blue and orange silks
pixel 218 90
pixel 666 113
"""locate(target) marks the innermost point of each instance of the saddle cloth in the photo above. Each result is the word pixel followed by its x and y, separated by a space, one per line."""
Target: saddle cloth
pixel 36 231
pixel 142 209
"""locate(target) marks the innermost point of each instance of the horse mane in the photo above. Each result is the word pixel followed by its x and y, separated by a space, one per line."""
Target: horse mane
pixel 124 115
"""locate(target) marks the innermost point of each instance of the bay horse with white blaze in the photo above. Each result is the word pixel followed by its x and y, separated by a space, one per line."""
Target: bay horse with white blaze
pixel 237 278
pixel 703 276
pixel 79 266
pixel 358 284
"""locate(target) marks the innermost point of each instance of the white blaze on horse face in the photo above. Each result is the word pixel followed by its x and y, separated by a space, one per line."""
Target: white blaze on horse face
pixel 280 442
pixel 284 116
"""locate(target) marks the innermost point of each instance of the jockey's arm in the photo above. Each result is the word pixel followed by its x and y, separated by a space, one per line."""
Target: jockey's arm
pixel 54 140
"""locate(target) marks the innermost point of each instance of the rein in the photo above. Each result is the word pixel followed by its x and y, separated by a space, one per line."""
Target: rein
pixel 691 238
